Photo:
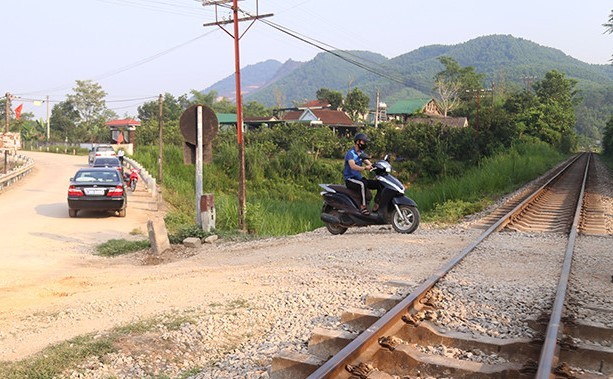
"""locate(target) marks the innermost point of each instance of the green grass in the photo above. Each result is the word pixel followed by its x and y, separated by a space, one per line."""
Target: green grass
pixel 451 198
pixel 114 247
pixel 285 205
pixel 56 359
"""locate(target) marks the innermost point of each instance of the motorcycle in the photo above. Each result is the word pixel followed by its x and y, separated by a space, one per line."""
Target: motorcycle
pixel 132 179
pixel 341 209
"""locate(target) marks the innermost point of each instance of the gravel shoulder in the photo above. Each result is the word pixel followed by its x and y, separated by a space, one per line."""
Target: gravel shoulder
pixel 238 303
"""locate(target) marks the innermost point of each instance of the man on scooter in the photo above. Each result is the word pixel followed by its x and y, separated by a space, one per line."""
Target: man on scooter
pixel 355 163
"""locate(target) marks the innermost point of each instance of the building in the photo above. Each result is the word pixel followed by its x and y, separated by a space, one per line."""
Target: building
pixel 339 121
pixel 123 131
pixel 402 110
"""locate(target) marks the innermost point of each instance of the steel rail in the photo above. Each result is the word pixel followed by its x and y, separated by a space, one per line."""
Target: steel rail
pixel 548 353
pixel 333 367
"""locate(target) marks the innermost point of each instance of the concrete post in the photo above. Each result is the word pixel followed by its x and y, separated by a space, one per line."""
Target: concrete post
pixel 207 212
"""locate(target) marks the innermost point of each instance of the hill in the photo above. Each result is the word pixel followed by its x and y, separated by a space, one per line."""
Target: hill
pixel 505 60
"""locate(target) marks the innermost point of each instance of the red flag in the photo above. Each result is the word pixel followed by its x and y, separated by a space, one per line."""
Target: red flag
pixel 18 111
pixel 120 138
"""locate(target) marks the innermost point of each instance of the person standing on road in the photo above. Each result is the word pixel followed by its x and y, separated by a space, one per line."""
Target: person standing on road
pixel 355 163
pixel 120 154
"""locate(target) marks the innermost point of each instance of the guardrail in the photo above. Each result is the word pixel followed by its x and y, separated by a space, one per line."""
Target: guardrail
pixel 23 167
pixel 149 181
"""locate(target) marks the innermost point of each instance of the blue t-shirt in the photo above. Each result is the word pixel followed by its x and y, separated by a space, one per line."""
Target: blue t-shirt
pixel 347 171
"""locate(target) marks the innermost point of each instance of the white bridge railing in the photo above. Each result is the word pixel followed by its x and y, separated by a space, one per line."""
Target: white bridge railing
pixel 22 166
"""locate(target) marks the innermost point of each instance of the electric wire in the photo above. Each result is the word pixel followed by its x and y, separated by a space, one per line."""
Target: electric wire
pixel 153 5
pixel 350 58
pixel 339 53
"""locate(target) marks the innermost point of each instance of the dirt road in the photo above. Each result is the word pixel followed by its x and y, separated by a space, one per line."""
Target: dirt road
pixel 42 249
pixel 53 288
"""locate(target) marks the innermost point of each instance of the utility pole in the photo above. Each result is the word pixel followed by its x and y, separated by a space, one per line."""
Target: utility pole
pixel 161 139
pixel 239 99
pixel 478 93
pixel 48 120
pixel 527 79
pixel 377 111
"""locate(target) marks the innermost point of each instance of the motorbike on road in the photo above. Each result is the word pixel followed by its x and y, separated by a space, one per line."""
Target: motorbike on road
pixel 341 209
pixel 132 179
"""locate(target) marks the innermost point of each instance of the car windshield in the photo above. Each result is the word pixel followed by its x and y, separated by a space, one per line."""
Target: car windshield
pixel 106 162
pixel 96 176
pixel 105 148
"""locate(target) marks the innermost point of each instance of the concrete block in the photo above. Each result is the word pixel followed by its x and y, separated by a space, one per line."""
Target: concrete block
pixel 211 239
pixel 292 365
pixel 158 236
pixel 192 242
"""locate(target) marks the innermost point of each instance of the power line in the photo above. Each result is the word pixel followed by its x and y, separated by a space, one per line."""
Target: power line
pixel 342 54
pixel 124 68
pixel 182 10
pixel 350 58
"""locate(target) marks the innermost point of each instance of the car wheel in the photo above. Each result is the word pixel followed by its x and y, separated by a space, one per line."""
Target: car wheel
pixel 72 212
pixel 122 212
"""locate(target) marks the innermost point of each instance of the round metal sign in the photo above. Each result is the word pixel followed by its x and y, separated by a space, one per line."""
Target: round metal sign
pixel 188 124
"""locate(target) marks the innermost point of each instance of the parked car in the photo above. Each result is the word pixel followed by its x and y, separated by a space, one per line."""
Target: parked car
pixel 101 151
pixel 98 189
pixel 110 162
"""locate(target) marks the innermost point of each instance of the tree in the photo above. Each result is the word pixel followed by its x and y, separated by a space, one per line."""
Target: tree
pixel 453 82
pixel 558 97
pixel 609 27
pixel 88 101
pixel 356 103
pixel 171 109
pixel 335 98
pixel 547 114
pixel 64 118
pixel 255 109
pixel 607 138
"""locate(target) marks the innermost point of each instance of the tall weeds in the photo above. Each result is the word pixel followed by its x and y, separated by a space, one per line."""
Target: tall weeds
pixel 282 184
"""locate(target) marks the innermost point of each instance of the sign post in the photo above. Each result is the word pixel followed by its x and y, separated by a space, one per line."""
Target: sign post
pixel 199 142
pixel 199 126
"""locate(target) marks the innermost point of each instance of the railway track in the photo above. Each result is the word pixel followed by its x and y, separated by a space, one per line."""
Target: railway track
pixel 417 337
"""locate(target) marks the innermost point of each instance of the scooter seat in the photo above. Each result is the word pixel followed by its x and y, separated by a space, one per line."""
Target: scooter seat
pixel 349 192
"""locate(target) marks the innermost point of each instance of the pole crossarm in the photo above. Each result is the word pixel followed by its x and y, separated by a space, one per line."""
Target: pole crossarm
pixel 225 22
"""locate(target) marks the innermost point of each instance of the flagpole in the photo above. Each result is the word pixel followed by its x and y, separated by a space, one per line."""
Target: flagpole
pixel 7 112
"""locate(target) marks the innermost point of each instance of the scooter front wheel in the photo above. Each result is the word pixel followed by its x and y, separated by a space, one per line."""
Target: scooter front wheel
pixel 407 220
pixel 335 229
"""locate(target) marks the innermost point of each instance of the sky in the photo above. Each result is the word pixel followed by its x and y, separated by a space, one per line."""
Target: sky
pixel 139 49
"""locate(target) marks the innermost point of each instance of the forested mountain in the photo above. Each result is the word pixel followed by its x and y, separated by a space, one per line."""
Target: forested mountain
pixel 252 78
pixel 509 63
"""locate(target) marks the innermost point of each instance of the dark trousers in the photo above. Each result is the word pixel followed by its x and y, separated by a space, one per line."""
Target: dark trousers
pixel 363 187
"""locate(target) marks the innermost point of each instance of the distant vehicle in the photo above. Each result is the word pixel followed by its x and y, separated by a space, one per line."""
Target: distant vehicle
pixel 97 189
pixel 101 151
pixel 133 179
pixel 111 162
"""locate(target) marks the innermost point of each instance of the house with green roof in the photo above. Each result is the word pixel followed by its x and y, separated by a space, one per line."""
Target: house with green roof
pixel 403 109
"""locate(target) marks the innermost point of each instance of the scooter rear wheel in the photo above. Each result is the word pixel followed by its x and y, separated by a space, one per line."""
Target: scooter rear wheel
pixel 335 229
pixel 407 220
